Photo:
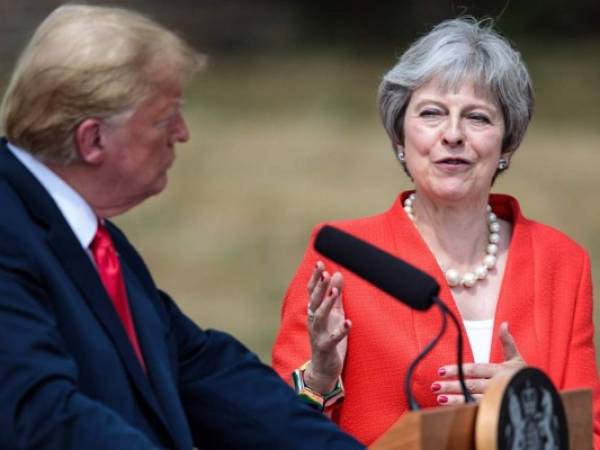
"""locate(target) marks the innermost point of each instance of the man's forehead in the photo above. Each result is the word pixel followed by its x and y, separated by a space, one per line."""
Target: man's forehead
pixel 162 100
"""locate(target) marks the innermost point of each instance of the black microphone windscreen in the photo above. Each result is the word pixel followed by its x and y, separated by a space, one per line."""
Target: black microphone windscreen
pixel 399 279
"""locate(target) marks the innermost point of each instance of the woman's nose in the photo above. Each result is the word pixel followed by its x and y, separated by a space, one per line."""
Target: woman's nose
pixel 453 134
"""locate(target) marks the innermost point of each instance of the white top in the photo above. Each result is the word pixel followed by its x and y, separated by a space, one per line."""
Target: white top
pixel 78 214
pixel 480 333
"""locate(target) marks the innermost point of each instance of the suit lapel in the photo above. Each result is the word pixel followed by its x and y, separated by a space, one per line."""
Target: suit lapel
pixel 77 265
pixel 151 334
pixel 81 271
pixel 153 325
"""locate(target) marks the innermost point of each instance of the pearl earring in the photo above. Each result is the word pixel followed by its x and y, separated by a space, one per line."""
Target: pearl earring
pixel 502 164
pixel 401 156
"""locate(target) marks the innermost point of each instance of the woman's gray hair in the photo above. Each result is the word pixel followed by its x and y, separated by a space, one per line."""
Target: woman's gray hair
pixel 453 52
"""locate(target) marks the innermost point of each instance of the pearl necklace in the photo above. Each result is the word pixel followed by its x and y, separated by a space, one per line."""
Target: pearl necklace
pixel 468 279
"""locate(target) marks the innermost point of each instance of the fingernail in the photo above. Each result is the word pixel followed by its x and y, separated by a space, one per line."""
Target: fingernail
pixel 436 387
pixel 442 399
pixel 441 371
pixel 321 278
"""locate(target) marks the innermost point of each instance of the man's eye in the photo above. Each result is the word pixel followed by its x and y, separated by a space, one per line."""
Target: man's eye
pixel 166 121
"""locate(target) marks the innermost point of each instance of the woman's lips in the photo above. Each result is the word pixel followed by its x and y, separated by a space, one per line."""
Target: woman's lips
pixel 453 161
pixel 453 165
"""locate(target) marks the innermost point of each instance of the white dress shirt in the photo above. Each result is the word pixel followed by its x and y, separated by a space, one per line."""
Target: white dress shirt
pixel 77 212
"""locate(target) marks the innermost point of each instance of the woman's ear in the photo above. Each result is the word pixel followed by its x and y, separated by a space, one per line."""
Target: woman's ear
pixel 504 161
pixel 90 142
pixel 400 152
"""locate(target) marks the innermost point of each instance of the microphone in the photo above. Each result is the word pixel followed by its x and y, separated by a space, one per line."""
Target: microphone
pixel 390 274
pixel 397 278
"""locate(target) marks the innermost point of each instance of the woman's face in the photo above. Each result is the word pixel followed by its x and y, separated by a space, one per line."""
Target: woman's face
pixel 452 142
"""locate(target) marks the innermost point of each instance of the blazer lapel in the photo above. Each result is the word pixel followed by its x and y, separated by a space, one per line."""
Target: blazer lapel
pixel 410 246
pixel 516 299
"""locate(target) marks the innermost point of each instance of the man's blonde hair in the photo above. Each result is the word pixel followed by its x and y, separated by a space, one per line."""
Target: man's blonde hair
pixel 83 62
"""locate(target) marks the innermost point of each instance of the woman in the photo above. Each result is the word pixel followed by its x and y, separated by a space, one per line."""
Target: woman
pixel 456 107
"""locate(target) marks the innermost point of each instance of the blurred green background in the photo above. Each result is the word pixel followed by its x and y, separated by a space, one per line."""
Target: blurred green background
pixel 285 134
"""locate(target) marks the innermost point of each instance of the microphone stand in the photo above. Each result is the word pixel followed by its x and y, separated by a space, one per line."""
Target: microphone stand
pixel 444 311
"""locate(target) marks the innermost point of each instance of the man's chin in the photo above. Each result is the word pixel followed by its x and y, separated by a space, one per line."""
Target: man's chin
pixel 161 184
pixel 132 202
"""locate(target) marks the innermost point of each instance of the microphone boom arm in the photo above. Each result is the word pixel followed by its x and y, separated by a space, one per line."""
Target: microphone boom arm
pixel 413 405
pixel 459 349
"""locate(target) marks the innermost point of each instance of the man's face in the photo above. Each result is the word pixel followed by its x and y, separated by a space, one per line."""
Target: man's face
pixel 141 149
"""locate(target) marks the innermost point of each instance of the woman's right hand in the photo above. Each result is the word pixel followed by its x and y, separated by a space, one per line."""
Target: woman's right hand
pixel 327 328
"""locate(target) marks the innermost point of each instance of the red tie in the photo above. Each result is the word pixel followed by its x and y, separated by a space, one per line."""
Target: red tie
pixel 109 269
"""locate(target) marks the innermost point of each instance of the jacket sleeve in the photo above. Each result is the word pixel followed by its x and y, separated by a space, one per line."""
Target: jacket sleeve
pixel 42 407
pixel 580 367
pixel 233 401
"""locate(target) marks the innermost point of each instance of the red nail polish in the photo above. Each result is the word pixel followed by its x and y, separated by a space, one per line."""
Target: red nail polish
pixel 442 399
pixel 436 387
pixel 321 278
pixel 442 372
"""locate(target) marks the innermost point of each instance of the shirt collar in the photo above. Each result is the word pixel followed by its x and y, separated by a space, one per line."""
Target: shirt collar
pixel 77 212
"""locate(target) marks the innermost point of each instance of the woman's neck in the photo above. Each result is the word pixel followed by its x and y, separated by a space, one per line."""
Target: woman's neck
pixel 457 234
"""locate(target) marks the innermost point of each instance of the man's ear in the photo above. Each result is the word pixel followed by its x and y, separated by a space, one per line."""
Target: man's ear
pixel 90 142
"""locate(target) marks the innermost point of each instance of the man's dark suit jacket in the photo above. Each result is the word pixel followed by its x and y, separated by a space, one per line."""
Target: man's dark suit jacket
pixel 69 378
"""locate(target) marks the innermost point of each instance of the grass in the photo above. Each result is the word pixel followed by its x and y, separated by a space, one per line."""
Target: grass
pixel 280 143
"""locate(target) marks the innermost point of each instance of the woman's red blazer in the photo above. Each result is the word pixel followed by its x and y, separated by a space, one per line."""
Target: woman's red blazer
pixel 546 297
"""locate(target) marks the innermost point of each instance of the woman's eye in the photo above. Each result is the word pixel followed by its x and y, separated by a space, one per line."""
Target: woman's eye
pixel 479 118
pixel 429 113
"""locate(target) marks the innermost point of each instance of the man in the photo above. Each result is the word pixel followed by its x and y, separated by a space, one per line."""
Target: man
pixel 92 354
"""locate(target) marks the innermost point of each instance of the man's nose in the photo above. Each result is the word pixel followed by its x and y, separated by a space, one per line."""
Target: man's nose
pixel 181 132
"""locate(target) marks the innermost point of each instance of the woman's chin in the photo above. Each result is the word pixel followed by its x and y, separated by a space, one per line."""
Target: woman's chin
pixel 453 193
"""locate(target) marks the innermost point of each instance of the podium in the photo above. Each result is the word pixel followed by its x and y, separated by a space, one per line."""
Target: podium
pixel 487 424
